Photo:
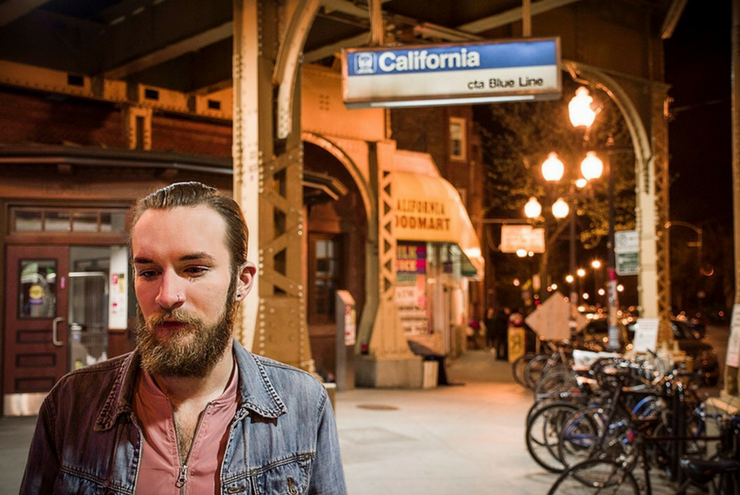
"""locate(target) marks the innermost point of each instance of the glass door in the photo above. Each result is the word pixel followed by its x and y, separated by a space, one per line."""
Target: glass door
pixel 36 332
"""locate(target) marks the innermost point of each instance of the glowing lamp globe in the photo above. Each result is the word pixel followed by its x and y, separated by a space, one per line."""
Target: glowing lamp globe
pixel 560 209
pixel 552 168
pixel 579 109
pixel 592 167
pixel 533 208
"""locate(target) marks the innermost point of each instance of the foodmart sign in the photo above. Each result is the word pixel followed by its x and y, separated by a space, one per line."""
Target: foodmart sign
pixel 449 74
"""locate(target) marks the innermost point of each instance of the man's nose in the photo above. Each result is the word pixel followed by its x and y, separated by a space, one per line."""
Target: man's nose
pixel 171 293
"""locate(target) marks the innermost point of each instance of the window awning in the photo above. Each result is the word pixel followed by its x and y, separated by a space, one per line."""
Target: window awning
pixel 429 208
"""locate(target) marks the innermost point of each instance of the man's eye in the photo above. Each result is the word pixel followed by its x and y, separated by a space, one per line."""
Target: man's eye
pixel 147 273
pixel 196 270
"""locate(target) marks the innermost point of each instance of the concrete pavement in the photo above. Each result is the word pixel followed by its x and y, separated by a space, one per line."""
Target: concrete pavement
pixel 454 439
pixel 466 438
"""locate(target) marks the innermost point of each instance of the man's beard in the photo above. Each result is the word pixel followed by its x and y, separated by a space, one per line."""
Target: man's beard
pixel 190 351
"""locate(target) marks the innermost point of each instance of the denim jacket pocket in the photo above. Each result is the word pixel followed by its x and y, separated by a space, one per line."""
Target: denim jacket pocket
pixel 288 476
pixel 70 481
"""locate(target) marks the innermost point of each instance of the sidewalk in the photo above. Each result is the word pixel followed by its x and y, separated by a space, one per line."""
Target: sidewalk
pixel 466 438
pixel 454 439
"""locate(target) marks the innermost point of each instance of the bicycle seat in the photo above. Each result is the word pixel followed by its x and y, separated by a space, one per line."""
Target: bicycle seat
pixel 702 471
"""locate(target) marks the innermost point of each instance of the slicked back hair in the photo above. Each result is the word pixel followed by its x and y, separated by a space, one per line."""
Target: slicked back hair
pixel 192 194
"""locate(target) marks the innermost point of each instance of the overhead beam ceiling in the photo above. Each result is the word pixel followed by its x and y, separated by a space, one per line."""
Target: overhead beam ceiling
pixel 15 9
pixel 465 32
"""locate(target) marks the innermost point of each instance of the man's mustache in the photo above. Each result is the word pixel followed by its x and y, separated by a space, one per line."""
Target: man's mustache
pixel 175 316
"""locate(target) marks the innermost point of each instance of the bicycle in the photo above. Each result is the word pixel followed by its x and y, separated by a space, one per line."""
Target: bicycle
pixel 603 476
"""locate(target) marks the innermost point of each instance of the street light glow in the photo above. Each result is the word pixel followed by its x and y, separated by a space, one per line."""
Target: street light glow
pixel 581 272
pixel 596 264
pixel 553 168
pixel 533 208
pixel 579 109
pixel 569 278
pixel 560 209
pixel 592 167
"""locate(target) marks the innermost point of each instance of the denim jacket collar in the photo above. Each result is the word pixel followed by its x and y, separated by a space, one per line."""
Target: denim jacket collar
pixel 256 391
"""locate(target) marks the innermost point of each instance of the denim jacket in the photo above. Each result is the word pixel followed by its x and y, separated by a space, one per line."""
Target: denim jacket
pixel 283 437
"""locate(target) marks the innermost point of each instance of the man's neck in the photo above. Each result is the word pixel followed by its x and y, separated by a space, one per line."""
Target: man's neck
pixel 197 392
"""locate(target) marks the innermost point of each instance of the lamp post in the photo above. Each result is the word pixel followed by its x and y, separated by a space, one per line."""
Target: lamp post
pixel 552 171
pixel 583 114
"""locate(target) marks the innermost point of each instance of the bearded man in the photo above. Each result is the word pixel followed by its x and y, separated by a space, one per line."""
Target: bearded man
pixel 189 411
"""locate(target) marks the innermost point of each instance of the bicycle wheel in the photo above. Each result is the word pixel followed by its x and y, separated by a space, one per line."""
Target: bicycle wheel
pixel 579 436
pixel 517 367
pixel 554 384
pixel 543 433
pixel 533 370
pixel 595 476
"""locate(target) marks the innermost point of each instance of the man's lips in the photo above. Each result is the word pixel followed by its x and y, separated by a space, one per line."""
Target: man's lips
pixel 169 324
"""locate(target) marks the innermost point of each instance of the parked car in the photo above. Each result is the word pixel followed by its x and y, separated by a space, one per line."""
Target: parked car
pixel 705 357
pixel 595 337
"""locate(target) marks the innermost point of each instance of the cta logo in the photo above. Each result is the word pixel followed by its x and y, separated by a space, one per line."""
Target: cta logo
pixel 365 63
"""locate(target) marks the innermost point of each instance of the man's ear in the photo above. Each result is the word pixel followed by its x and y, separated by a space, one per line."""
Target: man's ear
pixel 246 280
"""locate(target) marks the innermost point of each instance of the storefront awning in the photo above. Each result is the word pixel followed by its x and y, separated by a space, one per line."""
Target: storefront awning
pixel 428 208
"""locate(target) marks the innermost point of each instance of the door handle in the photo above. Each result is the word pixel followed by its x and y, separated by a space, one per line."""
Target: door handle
pixel 54 332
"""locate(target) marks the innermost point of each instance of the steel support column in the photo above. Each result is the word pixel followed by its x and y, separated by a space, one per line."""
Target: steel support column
pixel 659 131
pixel 267 185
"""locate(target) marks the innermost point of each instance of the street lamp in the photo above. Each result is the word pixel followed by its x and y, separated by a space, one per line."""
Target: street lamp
pixel 582 114
pixel 560 209
pixel 553 168
pixel 580 109
pixel 533 208
pixel 592 167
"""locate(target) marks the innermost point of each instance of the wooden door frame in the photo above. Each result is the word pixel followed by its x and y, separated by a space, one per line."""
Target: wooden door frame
pixel 23 403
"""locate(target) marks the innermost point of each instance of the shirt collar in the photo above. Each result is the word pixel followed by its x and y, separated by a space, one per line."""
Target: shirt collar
pixel 257 392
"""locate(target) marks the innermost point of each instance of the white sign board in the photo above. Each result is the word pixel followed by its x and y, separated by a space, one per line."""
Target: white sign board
pixel 733 346
pixel 646 335
pixel 627 248
pixel 118 289
pixel 516 237
pixel 448 74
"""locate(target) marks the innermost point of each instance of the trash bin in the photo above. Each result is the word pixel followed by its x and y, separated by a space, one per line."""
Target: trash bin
pixel 431 372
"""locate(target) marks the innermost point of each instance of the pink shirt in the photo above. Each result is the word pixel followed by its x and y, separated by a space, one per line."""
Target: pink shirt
pixel 160 462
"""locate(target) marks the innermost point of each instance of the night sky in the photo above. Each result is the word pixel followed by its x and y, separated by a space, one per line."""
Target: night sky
pixel 700 136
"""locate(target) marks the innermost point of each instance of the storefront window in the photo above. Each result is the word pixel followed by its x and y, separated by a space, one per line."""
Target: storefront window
pixel 325 258
pixel 411 279
pixel 57 221
pixel 457 138
pixel 85 222
pixel 78 220
pixel 112 221
pixel 28 220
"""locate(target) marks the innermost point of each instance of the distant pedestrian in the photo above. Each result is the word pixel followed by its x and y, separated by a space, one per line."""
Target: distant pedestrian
pixel 490 323
pixel 501 333
pixel 472 333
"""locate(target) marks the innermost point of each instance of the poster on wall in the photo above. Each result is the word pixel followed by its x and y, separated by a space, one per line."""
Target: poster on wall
pixel 118 289
pixel 410 297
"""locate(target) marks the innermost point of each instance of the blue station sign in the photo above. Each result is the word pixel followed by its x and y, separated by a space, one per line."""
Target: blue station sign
pixel 449 74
